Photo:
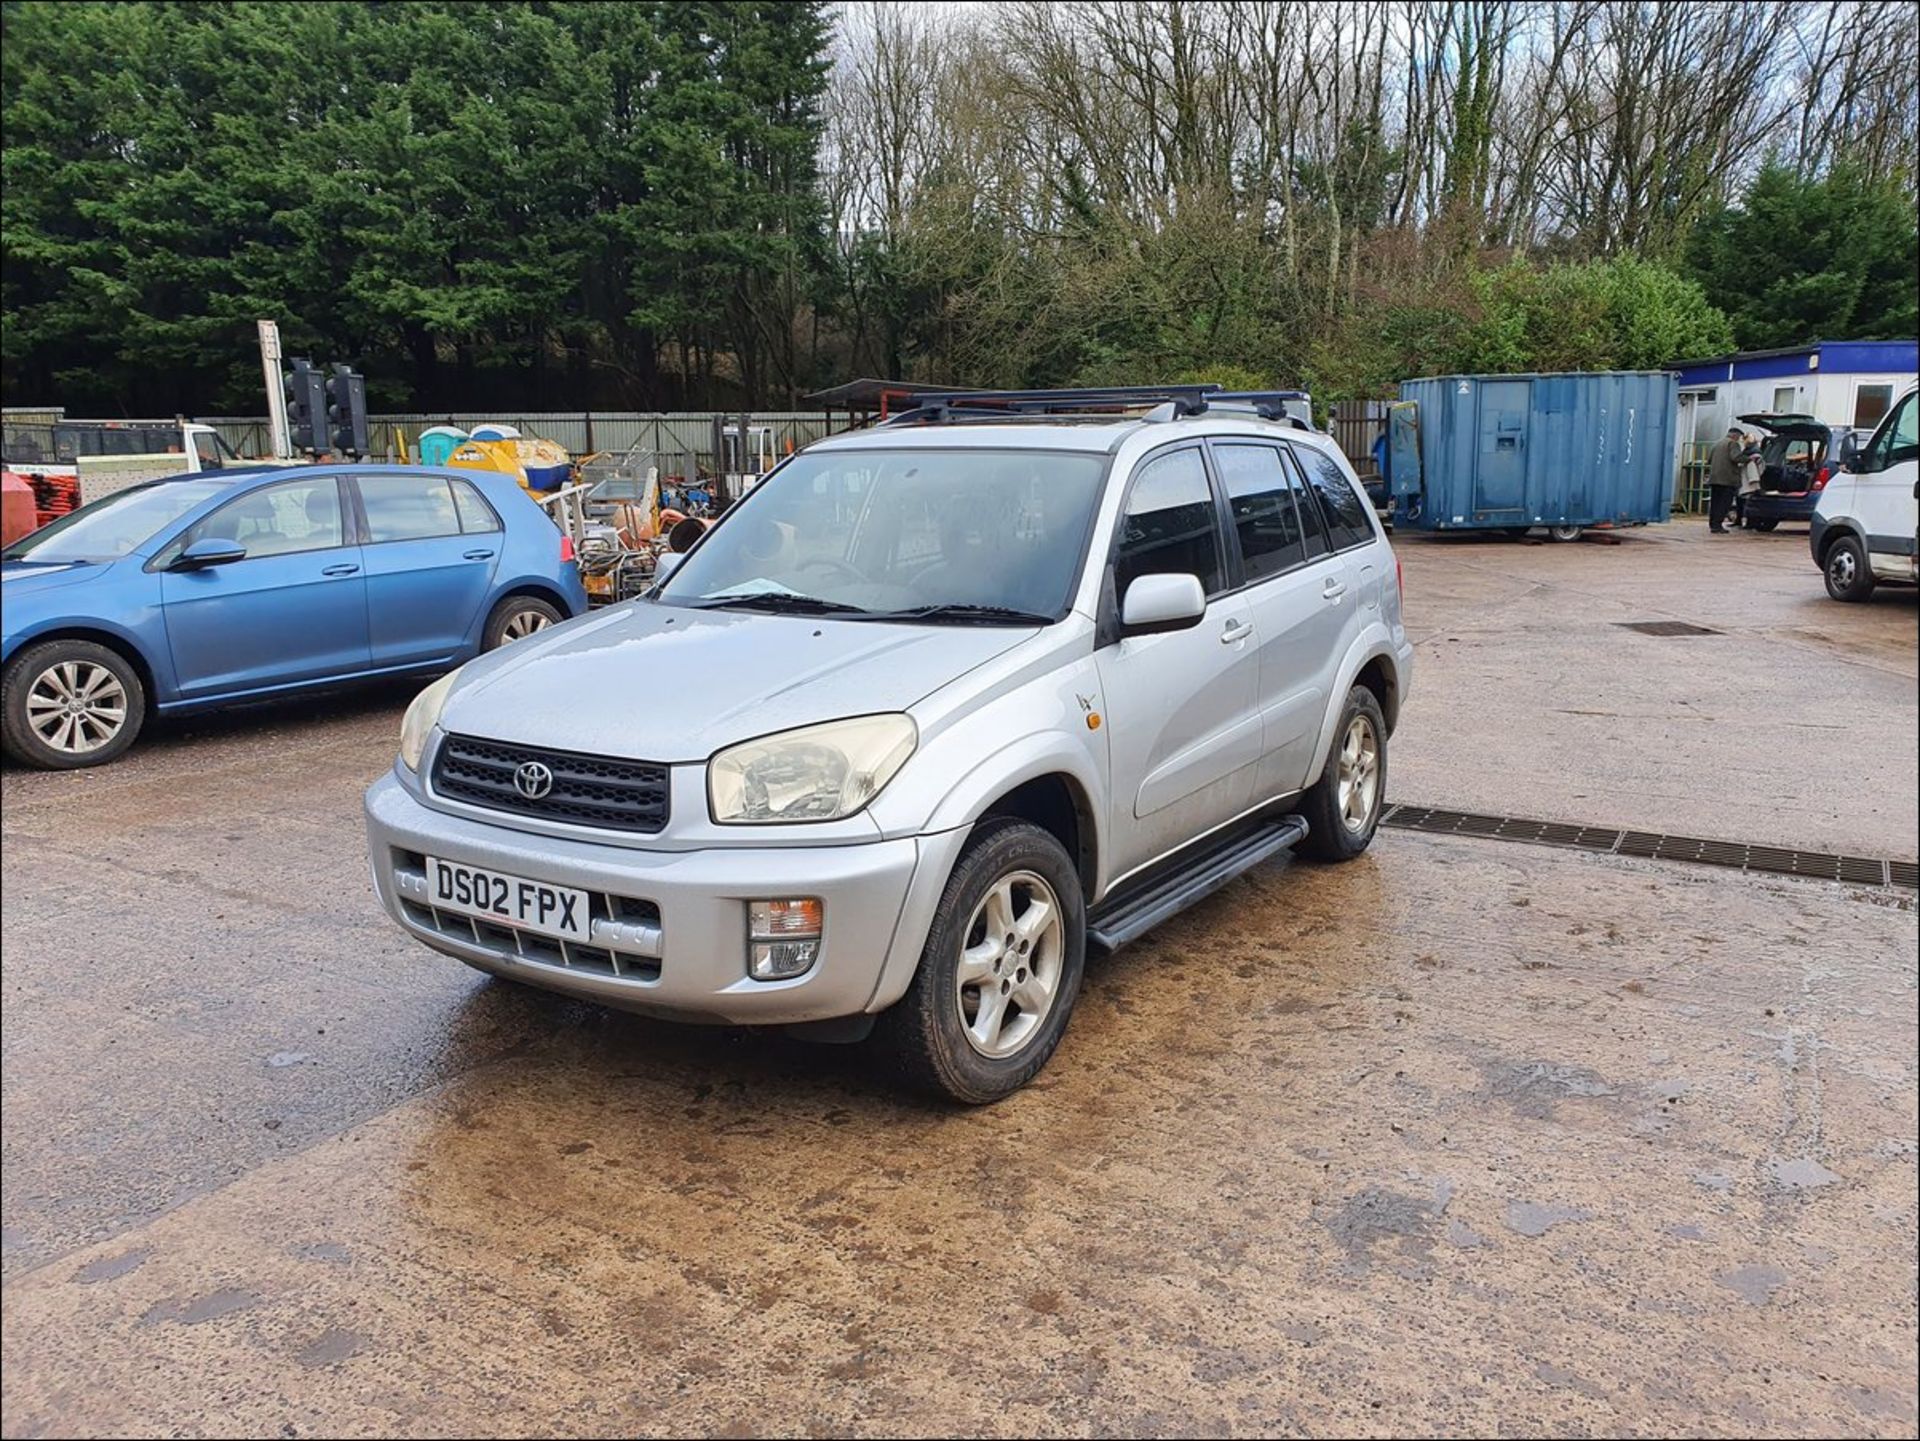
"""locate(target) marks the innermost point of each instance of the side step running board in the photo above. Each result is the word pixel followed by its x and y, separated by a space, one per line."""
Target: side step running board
pixel 1135 912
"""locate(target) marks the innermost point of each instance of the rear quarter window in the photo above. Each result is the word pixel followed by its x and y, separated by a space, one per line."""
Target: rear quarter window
pixel 1348 516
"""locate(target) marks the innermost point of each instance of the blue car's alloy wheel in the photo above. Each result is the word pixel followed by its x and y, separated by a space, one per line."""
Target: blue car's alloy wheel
pixel 70 703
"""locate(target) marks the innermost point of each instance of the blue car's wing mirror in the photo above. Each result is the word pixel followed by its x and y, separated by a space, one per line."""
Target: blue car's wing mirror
pixel 209 550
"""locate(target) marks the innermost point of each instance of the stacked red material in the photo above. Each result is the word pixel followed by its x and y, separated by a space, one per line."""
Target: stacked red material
pixel 54 496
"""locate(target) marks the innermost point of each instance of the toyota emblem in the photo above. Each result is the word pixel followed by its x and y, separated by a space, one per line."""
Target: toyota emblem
pixel 533 779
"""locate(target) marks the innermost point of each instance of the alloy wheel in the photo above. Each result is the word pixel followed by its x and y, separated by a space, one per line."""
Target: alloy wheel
pixel 1011 961
pixel 523 623
pixel 1359 774
pixel 76 706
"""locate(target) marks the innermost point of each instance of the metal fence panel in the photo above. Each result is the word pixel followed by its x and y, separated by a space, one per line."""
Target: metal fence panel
pixel 672 435
pixel 1355 426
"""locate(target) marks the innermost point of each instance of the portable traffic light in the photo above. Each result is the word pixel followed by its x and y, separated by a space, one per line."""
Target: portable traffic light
pixel 347 411
pixel 306 406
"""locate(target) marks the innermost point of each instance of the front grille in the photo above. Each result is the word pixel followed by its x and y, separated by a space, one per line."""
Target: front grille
pixel 602 791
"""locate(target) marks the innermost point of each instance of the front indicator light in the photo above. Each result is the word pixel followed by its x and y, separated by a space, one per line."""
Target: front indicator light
pixel 783 937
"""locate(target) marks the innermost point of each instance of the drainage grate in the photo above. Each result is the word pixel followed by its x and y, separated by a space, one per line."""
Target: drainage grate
pixel 1652 845
pixel 1665 627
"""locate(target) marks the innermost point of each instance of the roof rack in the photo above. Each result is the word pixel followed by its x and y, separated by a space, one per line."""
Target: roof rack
pixel 1168 402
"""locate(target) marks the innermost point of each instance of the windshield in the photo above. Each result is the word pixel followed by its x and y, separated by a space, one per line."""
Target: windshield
pixel 113 525
pixel 965 536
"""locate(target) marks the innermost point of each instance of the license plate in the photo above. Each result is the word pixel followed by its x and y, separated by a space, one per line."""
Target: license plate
pixel 508 900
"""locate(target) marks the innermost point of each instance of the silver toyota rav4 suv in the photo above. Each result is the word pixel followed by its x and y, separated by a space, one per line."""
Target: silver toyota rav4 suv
pixel 935 707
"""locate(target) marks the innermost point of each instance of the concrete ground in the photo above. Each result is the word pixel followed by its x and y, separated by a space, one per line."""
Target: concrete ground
pixel 1464 1138
pixel 1793 724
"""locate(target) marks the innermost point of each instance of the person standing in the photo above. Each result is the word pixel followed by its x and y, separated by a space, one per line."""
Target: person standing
pixel 1749 479
pixel 1723 478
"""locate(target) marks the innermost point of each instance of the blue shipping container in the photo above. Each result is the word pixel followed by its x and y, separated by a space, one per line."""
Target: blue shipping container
pixel 1504 452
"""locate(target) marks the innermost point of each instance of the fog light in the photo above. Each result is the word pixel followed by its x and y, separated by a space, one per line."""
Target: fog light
pixel 783 937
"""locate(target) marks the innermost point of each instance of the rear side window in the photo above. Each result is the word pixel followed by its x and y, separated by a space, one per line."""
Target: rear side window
pixel 475 514
pixel 1170 526
pixel 1260 498
pixel 1341 507
pixel 408 507
pixel 1313 530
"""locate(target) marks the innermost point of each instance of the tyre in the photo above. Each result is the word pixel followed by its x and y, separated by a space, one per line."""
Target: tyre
pixel 1763 526
pixel 70 703
pixel 516 618
pixel 1566 532
pixel 1849 577
pixel 1343 807
pixel 1000 971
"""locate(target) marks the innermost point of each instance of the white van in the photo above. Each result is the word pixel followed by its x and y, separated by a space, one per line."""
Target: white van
pixel 1866 528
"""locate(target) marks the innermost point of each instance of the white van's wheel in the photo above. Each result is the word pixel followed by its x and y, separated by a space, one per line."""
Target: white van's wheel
pixel 1849 577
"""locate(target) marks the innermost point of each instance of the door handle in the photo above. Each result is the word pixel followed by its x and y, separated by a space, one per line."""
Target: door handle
pixel 1235 631
pixel 340 570
pixel 478 555
pixel 1333 589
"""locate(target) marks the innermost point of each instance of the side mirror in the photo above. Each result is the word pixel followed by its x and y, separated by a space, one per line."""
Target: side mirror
pixel 666 565
pixel 1156 603
pixel 209 550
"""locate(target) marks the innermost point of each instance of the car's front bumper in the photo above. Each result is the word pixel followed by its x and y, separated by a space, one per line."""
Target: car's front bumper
pixel 670 934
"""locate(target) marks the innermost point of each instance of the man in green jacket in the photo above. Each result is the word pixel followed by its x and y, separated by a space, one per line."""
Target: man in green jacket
pixel 1723 478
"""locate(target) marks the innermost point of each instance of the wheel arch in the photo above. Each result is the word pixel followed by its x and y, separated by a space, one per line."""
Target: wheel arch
pixel 538 589
pixel 1381 676
pixel 120 645
pixel 1059 805
pixel 1830 535
pixel 1371 662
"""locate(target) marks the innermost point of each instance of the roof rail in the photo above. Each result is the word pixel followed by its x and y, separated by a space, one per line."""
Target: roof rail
pixel 1267 404
pixel 1165 402
pixel 974 404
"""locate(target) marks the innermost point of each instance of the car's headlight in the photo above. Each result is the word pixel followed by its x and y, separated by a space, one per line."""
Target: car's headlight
pixel 421 717
pixel 817 773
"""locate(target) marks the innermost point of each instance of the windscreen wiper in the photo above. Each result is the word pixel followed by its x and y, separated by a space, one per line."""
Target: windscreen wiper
pixel 990 614
pixel 779 600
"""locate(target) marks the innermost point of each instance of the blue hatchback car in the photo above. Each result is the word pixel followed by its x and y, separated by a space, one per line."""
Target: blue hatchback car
pixel 189 593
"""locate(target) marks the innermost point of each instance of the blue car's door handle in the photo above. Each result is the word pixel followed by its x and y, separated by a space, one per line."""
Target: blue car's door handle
pixel 478 555
pixel 340 570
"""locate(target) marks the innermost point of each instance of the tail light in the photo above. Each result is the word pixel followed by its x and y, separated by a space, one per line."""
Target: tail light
pixel 1821 477
pixel 566 548
pixel 1399 577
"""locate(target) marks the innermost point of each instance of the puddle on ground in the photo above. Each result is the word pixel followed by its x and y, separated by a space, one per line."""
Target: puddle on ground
pixel 1532 1219
pixel 1802 1175
pixel 1754 1284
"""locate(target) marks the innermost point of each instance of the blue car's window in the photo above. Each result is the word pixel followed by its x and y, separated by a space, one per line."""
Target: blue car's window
pixel 408 507
pixel 475 514
pixel 279 519
pixel 113 526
